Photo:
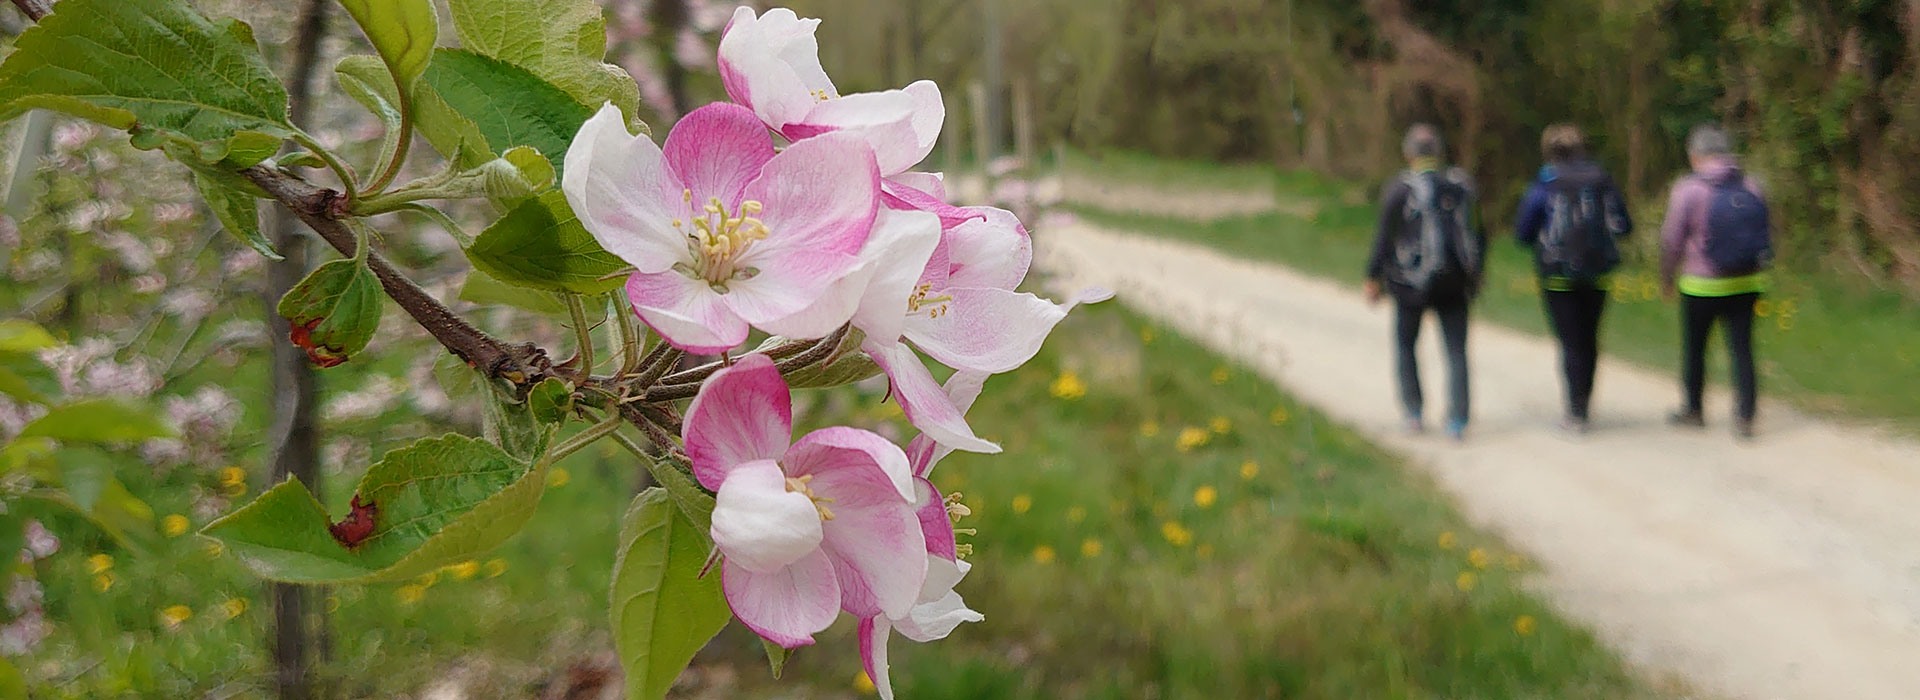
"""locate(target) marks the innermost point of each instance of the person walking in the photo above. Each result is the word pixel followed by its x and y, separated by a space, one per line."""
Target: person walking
pixel 1572 217
pixel 1716 245
pixel 1427 254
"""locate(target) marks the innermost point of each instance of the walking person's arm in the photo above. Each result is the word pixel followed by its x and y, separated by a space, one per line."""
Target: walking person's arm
pixel 1674 234
pixel 1619 217
pixel 1392 201
pixel 1532 216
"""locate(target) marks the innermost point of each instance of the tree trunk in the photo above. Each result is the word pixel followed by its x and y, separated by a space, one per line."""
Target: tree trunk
pixel 293 441
pixel 669 18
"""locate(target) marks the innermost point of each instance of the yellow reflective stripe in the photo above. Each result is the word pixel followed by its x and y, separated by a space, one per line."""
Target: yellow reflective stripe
pixel 1555 283
pixel 1722 286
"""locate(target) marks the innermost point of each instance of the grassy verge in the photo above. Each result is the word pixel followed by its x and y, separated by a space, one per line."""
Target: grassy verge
pixel 1825 343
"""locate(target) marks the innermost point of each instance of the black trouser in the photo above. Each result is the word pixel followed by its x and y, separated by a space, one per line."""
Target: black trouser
pixel 1575 317
pixel 1453 326
pixel 1697 316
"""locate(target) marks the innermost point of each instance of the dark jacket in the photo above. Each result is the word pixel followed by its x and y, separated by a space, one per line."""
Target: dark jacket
pixel 1535 208
pixel 1393 231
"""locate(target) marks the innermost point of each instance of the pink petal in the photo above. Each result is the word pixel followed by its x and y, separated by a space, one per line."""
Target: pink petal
pixel 935 526
pixel 900 192
pixel 685 311
pixel 771 63
pixel 940 608
pixel 788 282
pixel 716 150
pixel 758 523
pixel 874 537
pixel 874 632
pixel 743 414
pixel 984 330
pixel 873 293
pixel 786 607
pixel 921 398
pixel 619 187
pixel 901 125
pixel 923 452
pixel 993 250
pixel 933 184
pixel 820 195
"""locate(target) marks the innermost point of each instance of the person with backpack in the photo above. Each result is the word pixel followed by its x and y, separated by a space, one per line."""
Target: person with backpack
pixel 1716 245
pixel 1427 254
pixel 1572 217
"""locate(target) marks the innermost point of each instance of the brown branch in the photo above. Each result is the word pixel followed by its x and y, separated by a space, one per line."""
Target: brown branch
pixel 321 209
pixel 34 9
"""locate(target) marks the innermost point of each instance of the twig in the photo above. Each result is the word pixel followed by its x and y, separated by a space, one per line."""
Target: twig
pixel 582 335
pixel 34 9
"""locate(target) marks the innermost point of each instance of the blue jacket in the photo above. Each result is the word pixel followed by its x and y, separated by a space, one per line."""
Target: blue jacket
pixel 1535 210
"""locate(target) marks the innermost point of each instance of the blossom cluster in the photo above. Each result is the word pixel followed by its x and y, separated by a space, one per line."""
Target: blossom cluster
pixel 796 210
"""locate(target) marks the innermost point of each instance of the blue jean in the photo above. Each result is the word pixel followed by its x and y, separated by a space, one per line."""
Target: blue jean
pixel 1453 329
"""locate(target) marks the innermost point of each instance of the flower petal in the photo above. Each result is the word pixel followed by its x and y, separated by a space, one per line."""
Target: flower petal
pixel 934 184
pixel 771 63
pixel 758 523
pixel 874 292
pixel 743 414
pixel 935 526
pixel 874 537
pixel 923 452
pixel 874 632
pixel 993 250
pixel 619 187
pixel 716 150
pixel 820 195
pixel 685 311
pixel 984 330
pixel 786 607
pixel 921 398
pixel 943 609
pixel 788 282
pixel 902 191
pixel 901 125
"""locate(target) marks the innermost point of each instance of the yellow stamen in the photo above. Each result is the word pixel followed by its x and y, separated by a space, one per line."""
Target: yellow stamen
pixel 936 306
pixel 718 238
pixel 800 486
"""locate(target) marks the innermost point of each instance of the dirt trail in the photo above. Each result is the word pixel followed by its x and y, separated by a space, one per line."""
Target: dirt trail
pixel 1789 568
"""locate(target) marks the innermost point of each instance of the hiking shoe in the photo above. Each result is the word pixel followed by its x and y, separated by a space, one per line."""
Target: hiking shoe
pixel 1686 419
pixel 1574 425
pixel 1457 429
pixel 1743 429
pixel 1413 426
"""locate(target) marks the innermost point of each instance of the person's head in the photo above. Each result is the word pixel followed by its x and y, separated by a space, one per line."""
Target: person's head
pixel 1562 143
pixel 1708 144
pixel 1422 142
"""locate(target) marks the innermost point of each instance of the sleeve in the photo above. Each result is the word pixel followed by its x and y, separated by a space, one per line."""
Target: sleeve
pixel 1392 200
pixel 1619 217
pixel 1675 231
pixel 1532 216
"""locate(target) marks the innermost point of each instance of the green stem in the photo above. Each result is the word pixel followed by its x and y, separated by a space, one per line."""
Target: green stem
pixel 584 438
pixel 339 169
pixel 629 337
pixel 392 166
pixel 441 218
pixel 581 335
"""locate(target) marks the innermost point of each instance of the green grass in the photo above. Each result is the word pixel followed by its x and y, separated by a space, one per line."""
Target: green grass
pixel 1830 344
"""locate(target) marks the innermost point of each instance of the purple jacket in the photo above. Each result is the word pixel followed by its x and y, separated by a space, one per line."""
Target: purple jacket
pixel 1683 235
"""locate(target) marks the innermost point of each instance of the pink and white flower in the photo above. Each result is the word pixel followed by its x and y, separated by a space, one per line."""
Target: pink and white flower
pixel 722 232
pixel 806 528
pixel 771 63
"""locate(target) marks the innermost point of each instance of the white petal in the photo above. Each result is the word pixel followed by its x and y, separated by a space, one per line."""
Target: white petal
pixel 759 524
pixel 619 187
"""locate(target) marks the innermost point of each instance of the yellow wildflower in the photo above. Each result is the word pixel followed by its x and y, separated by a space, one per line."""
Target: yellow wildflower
pixel 234 607
pixel 99 563
pixel 410 593
pixel 1205 496
pixel 862 684
pixel 1068 387
pixel 1478 558
pixel 1220 375
pixel 1220 425
pixel 464 570
pixel 1249 470
pixel 1513 562
pixel 1177 535
pixel 174 615
pixel 1149 429
pixel 1763 308
pixel 102 582
pixel 233 475
pixel 1278 416
pixel 1448 540
pixel 1190 438
pixel 1043 554
pixel 495 567
pixel 1146 336
pixel 332 604
pixel 558 478
pixel 1524 625
pixel 1091 548
pixel 427 580
pixel 1466 581
pixel 213 548
pixel 175 525
pixel 1022 503
pixel 1076 514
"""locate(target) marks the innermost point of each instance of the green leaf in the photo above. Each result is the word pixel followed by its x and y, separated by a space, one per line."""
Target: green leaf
pixel 334 311
pixel 13 686
pixel 157 64
pixel 845 365
pixel 20 337
pixel 482 288
pixel 437 501
pixel 366 80
pixel 237 210
pixel 498 105
pixel 693 501
pixel 540 245
pixel 17 387
pixel 550 401
pixel 402 31
pixel 776 657
pixel 98 421
pixel 663 611
pixel 562 41
pixel 517 174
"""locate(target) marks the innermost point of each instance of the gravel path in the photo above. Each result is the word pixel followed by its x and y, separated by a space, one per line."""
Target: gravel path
pixel 1789 568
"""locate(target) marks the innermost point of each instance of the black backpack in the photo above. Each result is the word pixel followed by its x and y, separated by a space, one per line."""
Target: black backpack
pixel 1578 240
pixel 1739 231
pixel 1436 251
